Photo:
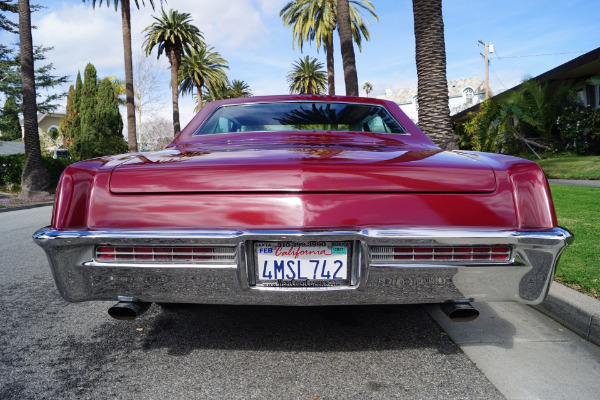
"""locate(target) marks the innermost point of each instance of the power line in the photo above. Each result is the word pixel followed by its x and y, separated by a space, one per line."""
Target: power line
pixel 541 55
pixel 497 77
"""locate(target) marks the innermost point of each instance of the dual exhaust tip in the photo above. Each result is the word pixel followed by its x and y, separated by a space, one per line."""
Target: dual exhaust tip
pixel 459 311
pixel 128 310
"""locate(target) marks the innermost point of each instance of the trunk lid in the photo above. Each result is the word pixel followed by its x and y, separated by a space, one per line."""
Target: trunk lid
pixel 308 162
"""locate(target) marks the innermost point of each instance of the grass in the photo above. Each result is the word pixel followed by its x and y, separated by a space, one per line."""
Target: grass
pixel 571 167
pixel 578 209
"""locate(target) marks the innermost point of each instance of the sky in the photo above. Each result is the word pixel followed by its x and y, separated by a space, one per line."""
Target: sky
pixel 529 38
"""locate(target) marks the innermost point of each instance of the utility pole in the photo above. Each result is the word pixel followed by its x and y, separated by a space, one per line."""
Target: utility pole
pixel 489 48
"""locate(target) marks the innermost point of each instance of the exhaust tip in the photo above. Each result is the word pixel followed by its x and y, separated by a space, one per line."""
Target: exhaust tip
pixel 127 311
pixel 460 312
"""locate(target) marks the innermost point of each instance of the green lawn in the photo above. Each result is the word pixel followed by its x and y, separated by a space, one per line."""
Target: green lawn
pixel 571 167
pixel 578 209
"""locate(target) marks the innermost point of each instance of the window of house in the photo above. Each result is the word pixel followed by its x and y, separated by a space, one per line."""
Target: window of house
pixel 53 132
pixel 597 96
pixel 580 93
pixel 468 94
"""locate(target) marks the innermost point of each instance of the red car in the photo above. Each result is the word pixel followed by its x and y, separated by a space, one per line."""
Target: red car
pixel 303 200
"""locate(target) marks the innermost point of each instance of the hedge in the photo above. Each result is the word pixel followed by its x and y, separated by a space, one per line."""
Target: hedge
pixel 11 168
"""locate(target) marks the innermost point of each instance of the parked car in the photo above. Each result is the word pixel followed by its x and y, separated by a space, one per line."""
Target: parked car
pixel 303 200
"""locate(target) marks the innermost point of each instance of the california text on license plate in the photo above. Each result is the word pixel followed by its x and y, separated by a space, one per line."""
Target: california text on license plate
pixel 309 264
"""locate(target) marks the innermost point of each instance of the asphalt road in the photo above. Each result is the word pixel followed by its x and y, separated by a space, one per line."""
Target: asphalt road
pixel 57 350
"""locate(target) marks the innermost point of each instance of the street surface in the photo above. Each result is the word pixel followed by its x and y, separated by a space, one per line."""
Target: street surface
pixel 52 349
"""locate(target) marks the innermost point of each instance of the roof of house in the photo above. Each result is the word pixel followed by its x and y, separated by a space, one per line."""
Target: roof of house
pixel 8 148
pixel 455 89
pixel 41 116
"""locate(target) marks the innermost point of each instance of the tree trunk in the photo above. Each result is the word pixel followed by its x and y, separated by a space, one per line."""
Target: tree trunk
pixel 434 111
pixel 330 65
pixel 347 47
pixel 199 89
pixel 35 179
pixel 131 128
pixel 175 62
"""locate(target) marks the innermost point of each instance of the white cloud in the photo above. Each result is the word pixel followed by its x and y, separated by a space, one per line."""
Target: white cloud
pixel 271 7
pixel 80 35
pixel 225 24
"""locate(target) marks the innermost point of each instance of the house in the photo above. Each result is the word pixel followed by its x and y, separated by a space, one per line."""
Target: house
pixel 50 136
pixel 579 70
pixel 462 93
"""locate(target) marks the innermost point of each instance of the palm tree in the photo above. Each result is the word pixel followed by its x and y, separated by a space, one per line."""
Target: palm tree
pixel 434 112
pixel 202 67
pixel 235 89
pixel 307 77
pixel 317 19
pixel 35 178
pixel 541 108
pixel 348 59
pixel 368 88
pixel 239 89
pixel 215 93
pixel 172 33
pixel 531 113
pixel 129 97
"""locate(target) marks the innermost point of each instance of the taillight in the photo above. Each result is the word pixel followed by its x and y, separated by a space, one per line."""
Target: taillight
pixel 165 254
pixel 454 254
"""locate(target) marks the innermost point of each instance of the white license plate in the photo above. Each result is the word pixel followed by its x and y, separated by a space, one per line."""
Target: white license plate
pixel 303 262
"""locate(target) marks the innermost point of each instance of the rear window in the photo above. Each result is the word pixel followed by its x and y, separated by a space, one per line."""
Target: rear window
pixel 300 116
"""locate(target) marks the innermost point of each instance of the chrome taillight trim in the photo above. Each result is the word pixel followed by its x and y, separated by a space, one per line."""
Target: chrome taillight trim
pixel 109 253
pixel 446 254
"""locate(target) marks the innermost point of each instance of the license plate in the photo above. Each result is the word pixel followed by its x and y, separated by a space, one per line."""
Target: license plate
pixel 310 264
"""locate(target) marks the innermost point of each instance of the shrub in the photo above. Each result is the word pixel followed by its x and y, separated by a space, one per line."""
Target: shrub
pixel 11 168
pixel 480 133
pixel 578 130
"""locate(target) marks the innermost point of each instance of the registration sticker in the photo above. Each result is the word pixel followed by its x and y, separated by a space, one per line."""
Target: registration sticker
pixel 310 264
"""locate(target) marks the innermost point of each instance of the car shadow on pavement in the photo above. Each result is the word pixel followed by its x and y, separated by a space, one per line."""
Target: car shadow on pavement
pixel 490 328
pixel 182 330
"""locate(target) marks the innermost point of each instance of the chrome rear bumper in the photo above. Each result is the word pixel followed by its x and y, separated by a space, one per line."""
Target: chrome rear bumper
pixel 526 278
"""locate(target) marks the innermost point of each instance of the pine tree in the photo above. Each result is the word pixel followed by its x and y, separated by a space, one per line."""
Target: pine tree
pixel 76 127
pixel 84 136
pixel 109 122
pixel 9 124
pixel 66 122
pixel 45 82
pixel 93 121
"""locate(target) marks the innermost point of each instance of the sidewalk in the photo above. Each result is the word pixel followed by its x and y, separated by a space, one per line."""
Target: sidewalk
pixel 525 354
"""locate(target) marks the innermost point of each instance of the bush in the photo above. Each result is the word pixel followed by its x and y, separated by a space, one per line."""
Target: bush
pixel 11 168
pixel 480 133
pixel 578 130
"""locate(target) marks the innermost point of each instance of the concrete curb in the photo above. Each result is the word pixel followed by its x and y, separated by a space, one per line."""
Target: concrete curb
pixel 577 311
pixel 575 182
pixel 26 207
